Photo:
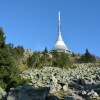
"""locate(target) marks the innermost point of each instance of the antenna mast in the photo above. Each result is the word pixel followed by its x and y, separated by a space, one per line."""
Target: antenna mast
pixel 59 32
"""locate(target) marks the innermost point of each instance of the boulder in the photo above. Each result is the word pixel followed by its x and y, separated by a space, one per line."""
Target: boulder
pixel 2 93
pixel 52 98
pixel 75 85
pixel 65 88
pixel 69 98
pixel 81 81
pixel 28 92
pixel 83 92
pixel 63 85
pixel 93 94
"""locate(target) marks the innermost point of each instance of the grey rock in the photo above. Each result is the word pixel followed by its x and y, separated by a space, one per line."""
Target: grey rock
pixel 83 92
pixel 83 77
pixel 58 87
pixel 2 93
pixel 65 88
pixel 27 92
pixel 76 86
pixel 92 93
pixel 69 98
pixel 81 81
pixel 97 77
pixel 95 94
pixel 52 98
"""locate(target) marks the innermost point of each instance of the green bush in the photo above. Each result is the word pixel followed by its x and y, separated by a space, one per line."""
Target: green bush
pixel 2 84
pixel 33 60
pixel 15 81
pixel 61 60
pixel 87 58
pixel 9 73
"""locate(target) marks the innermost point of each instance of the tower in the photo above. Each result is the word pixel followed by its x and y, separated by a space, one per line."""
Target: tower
pixel 60 45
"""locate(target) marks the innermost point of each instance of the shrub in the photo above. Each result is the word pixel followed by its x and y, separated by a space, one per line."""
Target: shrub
pixel 15 81
pixel 33 60
pixel 2 84
pixel 87 58
pixel 61 60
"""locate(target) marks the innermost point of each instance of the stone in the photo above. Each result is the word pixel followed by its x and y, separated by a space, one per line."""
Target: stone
pixel 54 80
pixel 65 88
pixel 76 86
pixel 81 81
pixel 27 92
pixel 52 98
pixel 58 87
pixel 2 93
pixel 82 78
pixel 95 94
pixel 83 92
pixel 69 98
pixel 97 77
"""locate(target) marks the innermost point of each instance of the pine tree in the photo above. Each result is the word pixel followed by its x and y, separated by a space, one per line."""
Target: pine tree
pixel 87 57
pixel 2 38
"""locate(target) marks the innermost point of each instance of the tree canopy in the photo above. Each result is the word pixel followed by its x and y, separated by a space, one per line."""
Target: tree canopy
pixel 87 57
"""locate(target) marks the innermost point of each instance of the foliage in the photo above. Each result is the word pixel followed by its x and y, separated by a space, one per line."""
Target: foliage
pixel 61 60
pixel 39 60
pixel 2 38
pixel 73 54
pixel 33 60
pixel 15 81
pixel 2 84
pixel 8 68
pixel 19 50
pixel 45 50
pixel 54 53
pixel 87 58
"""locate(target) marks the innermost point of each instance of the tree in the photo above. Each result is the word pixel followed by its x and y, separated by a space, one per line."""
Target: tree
pixel 45 50
pixel 8 70
pixel 19 50
pixel 33 60
pixel 2 38
pixel 9 57
pixel 87 57
pixel 61 60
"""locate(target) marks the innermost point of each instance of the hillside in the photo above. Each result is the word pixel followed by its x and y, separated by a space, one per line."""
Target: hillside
pixel 45 75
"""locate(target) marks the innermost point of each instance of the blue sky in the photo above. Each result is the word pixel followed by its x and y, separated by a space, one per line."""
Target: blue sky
pixel 34 23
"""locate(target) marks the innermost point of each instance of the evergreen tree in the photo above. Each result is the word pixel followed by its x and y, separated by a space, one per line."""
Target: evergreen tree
pixel 45 50
pixel 33 60
pixel 61 60
pixel 8 70
pixel 2 38
pixel 9 73
pixel 87 57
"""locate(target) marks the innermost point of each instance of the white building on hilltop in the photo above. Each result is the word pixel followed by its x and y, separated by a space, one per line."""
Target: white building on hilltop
pixel 60 45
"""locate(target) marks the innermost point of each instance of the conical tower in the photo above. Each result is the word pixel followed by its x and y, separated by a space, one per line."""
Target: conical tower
pixel 60 45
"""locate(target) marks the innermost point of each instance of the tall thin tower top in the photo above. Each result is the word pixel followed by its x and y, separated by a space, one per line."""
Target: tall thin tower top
pixel 59 32
pixel 60 45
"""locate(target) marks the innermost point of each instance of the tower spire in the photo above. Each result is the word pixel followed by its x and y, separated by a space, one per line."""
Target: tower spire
pixel 59 32
pixel 60 45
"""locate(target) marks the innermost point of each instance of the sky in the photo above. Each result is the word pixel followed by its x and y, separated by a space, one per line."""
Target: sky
pixel 33 24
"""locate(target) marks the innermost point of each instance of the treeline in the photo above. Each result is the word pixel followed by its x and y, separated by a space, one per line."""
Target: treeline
pixel 58 59
pixel 53 58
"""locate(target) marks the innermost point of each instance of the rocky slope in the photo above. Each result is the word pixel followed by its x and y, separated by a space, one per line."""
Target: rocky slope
pixel 82 82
